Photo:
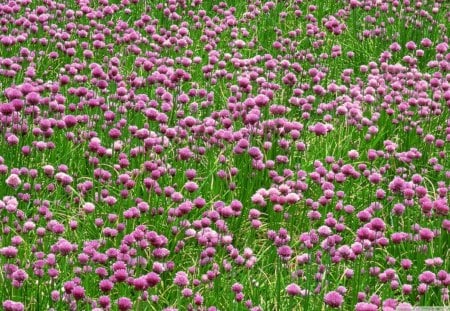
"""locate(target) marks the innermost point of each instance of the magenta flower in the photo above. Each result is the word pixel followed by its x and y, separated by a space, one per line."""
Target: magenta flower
pixel 294 290
pixel 319 129
pixel 78 292
pixel 9 305
pixel 427 277
pixel 181 279
pixel 334 299
pixel 124 304
pixel 285 252
pixel 426 234
pixel 13 181
pixel 365 306
pixel 106 285
pixel 9 251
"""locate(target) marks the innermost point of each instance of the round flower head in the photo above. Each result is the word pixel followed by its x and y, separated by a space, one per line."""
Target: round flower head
pixel 124 304
pixel 181 279
pixel 427 277
pixel 333 299
pixel 426 234
pixel 294 290
pixel 319 129
pixel 365 306
pixel 9 305
pixel 13 181
pixel 78 292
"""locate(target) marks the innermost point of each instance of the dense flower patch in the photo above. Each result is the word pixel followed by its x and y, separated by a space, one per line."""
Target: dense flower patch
pixel 235 155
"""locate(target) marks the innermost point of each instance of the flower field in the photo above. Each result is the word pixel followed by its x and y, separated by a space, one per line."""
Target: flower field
pixel 224 155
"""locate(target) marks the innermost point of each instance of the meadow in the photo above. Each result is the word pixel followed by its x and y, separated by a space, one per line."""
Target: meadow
pixel 224 155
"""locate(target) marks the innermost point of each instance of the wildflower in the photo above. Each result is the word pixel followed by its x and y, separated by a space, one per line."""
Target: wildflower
pixel 9 305
pixel 426 234
pixel 285 252
pixel 427 277
pixel 294 290
pixel 124 304
pixel 78 292
pixel 106 285
pixel 104 301
pixel 237 287
pixel 181 279
pixel 9 251
pixel 365 306
pixel 334 299
pixel 13 181
pixel 319 129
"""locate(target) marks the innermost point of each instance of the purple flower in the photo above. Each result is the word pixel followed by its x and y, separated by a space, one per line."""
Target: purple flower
pixel 9 305
pixel 237 287
pixel 104 301
pixel 294 290
pixel 406 264
pixel 106 285
pixel 13 181
pixel 55 296
pixel 285 252
pixel 333 299
pixel 377 224
pixel 407 289
pixel 140 283
pixel 181 279
pixel 185 153
pixel 319 129
pixel 9 251
pixel 78 292
pixel 427 277
pixel 365 306
pixel 121 275
pixel 426 234
pixel 422 288
pixel 191 186
pixel 124 304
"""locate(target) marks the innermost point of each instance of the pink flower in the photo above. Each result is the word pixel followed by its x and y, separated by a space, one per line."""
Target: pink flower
pixel 9 251
pixel 191 186
pixel 319 129
pixel 12 140
pixel 152 279
pixel 334 299
pixel 427 277
pixel 411 45
pixel 426 234
pixel 185 153
pixel 426 43
pixel 181 279
pixel 377 224
pixel 422 288
pixel 124 304
pixel 78 292
pixel 55 295
pixel 285 252
pixel 13 181
pixel 442 47
pixel 295 290
pixel 104 301
pixel 365 306
pixel 140 283
pixel 106 285
pixel 9 305
pixel 88 207
pixel 237 288
pixel 406 264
